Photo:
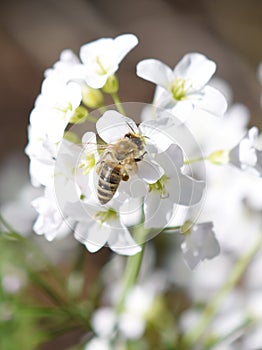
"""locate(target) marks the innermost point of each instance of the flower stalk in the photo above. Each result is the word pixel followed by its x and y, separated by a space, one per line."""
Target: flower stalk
pixel 118 103
pixel 132 269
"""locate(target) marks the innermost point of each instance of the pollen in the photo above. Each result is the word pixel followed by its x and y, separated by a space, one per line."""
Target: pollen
pixel 88 163
pixel 219 157
pixel 179 89
pixel 104 216
pixel 160 186
pixel 64 109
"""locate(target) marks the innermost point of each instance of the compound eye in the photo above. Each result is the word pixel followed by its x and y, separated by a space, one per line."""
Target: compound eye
pixel 125 177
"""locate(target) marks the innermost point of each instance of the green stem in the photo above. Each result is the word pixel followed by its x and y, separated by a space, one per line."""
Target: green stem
pixel 131 273
pixel 118 103
pixel 91 119
pixel 132 269
pixel 194 160
pixel 102 109
pixel 235 333
pixel 211 309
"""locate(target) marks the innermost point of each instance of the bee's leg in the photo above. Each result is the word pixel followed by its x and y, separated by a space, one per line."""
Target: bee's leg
pixel 125 176
pixel 125 171
pixel 140 158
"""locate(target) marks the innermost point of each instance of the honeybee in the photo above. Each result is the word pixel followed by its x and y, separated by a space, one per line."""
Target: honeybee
pixel 117 163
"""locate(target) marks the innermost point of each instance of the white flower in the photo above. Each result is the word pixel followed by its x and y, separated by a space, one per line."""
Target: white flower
pixel 66 68
pixel 199 244
pixel 50 221
pixel 55 106
pixel 98 225
pixel 226 132
pixel 98 344
pixel 139 304
pixel 104 321
pixel 185 87
pixel 42 153
pixel 61 189
pixel 172 188
pixel 101 58
pixel 245 155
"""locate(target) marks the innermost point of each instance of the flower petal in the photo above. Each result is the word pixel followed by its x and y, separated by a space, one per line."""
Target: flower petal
pixel 96 81
pixel 183 110
pixel 94 237
pixel 155 71
pixel 186 191
pixel 120 240
pixel 131 325
pixel 149 170
pixel 112 126
pixel 171 160
pixel 94 49
pixel 245 155
pixel 213 101
pixel 200 244
pixel 98 344
pixel 133 188
pixel 130 212
pixel 88 137
pixel 195 67
pixel 123 44
pixel 158 211
pixel 104 321
pixel 156 131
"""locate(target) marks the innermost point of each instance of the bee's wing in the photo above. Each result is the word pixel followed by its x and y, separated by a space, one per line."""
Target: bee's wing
pixel 92 147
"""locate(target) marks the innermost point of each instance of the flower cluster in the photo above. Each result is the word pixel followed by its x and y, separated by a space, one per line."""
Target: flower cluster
pixel 130 180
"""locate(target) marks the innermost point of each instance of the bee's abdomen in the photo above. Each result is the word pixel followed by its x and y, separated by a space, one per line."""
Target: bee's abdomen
pixel 108 182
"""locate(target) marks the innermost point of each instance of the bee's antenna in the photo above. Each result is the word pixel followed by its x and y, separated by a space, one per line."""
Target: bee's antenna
pixel 130 126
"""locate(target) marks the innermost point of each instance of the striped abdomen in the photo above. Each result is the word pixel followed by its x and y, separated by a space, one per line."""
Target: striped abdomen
pixel 108 181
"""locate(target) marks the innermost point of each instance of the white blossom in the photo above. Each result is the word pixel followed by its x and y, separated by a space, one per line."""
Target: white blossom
pixel 98 344
pixel 101 58
pixel 42 153
pixel 50 221
pixel 97 225
pixel 245 155
pixel 185 87
pixel 55 106
pixel 139 304
pixel 199 244
pixel 172 188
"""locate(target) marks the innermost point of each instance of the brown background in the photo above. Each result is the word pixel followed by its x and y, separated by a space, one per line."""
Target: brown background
pixel 33 33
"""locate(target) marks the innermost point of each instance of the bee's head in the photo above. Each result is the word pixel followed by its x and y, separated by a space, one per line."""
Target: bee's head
pixel 136 139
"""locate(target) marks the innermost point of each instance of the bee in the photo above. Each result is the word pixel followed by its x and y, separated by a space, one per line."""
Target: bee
pixel 117 163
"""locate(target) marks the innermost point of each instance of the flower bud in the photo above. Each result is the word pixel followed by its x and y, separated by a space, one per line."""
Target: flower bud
pixel 79 116
pixel 92 98
pixel 72 137
pixel 111 86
